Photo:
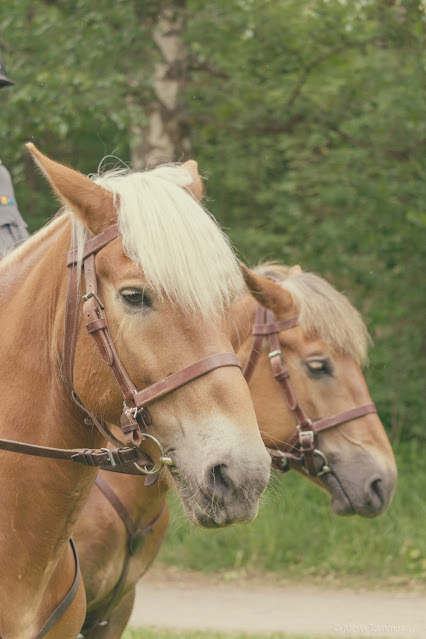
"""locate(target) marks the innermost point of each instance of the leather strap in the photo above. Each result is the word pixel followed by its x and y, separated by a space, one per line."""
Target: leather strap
pixel 256 346
pixel 97 457
pixel 176 380
pixel 275 326
pixel 135 536
pixel 116 502
pixel 335 420
pixel 95 244
pixel 66 601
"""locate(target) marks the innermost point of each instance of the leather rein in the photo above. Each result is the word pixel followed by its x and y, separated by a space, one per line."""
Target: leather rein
pixel 299 451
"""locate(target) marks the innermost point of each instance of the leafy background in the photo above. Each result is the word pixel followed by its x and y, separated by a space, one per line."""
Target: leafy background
pixel 307 118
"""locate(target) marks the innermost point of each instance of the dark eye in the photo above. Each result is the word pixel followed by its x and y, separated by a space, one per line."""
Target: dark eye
pixel 318 367
pixel 134 297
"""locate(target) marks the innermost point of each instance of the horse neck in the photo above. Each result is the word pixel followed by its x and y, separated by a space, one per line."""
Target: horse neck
pixel 36 408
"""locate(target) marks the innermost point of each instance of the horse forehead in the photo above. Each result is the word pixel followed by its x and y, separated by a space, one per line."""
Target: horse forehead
pixel 297 339
pixel 112 262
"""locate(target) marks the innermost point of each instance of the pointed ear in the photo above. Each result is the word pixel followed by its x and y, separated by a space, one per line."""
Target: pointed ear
pixel 92 204
pixel 196 188
pixel 268 293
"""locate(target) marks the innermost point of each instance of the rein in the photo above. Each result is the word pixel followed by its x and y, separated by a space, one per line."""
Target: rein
pixel 299 451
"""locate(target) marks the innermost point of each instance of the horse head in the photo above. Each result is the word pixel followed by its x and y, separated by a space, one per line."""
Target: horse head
pixel 322 345
pixel 166 283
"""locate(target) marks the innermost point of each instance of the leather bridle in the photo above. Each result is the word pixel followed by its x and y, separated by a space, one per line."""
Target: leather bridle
pixel 299 451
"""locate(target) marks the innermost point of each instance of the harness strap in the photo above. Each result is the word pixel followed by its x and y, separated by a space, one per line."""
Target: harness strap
pixel 98 457
pixel 94 244
pixel 116 502
pixel 335 420
pixel 66 601
pixel 256 346
pixel 182 377
pixel 135 536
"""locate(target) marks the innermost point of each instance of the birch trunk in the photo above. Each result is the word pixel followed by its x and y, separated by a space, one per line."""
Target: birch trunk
pixel 165 137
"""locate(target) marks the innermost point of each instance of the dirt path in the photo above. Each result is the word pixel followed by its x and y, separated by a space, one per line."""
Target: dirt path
pixel 184 602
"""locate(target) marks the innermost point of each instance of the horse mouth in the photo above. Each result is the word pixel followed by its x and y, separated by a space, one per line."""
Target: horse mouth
pixel 207 511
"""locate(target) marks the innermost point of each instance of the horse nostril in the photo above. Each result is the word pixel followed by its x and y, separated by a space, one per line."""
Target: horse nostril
pixel 219 480
pixel 376 492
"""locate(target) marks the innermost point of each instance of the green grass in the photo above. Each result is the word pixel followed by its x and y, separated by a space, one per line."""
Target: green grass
pixel 154 633
pixel 297 535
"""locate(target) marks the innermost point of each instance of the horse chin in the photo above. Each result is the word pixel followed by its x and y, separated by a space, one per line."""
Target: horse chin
pixel 206 511
pixel 340 502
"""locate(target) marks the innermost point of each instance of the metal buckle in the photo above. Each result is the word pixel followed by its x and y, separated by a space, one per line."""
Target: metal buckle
pixel 90 294
pixel 308 433
pixel 110 457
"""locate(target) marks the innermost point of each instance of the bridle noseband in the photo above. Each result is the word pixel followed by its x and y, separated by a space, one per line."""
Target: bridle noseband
pixel 299 451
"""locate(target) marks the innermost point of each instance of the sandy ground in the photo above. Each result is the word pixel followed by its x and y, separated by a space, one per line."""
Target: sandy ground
pixel 185 601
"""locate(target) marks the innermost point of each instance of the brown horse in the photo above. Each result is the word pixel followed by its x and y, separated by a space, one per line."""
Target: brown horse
pixel 323 351
pixel 160 278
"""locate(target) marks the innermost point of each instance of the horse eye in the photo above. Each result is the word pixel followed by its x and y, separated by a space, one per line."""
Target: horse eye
pixel 135 297
pixel 319 366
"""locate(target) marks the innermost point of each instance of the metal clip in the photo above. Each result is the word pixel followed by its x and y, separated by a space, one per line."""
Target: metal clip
pixel 110 457
pixel 90 294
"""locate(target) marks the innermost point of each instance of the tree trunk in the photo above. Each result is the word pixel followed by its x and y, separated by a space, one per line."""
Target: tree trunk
pixel 165 136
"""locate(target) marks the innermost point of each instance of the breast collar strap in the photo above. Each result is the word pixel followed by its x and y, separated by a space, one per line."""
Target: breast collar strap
pixel 299 451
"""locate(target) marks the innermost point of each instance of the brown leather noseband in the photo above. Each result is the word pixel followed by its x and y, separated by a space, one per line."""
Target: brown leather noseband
pixel 299 451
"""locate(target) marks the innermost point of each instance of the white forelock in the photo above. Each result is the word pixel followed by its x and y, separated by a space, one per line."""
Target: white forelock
pixel 180 248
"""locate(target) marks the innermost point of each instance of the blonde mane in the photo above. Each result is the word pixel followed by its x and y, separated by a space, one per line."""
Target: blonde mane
pixel 181 250
pixel 323 311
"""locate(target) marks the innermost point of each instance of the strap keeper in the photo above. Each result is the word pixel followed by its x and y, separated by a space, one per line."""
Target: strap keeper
pixel 83 457
pixel 96 325
pixel 284 374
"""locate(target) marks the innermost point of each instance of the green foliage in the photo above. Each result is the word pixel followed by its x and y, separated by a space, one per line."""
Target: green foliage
pixel 295 541
pixel 307 118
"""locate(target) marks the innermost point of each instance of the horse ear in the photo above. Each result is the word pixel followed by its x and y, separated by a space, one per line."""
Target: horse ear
pixel 91 203
pixel 266 292
pixel 196 188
